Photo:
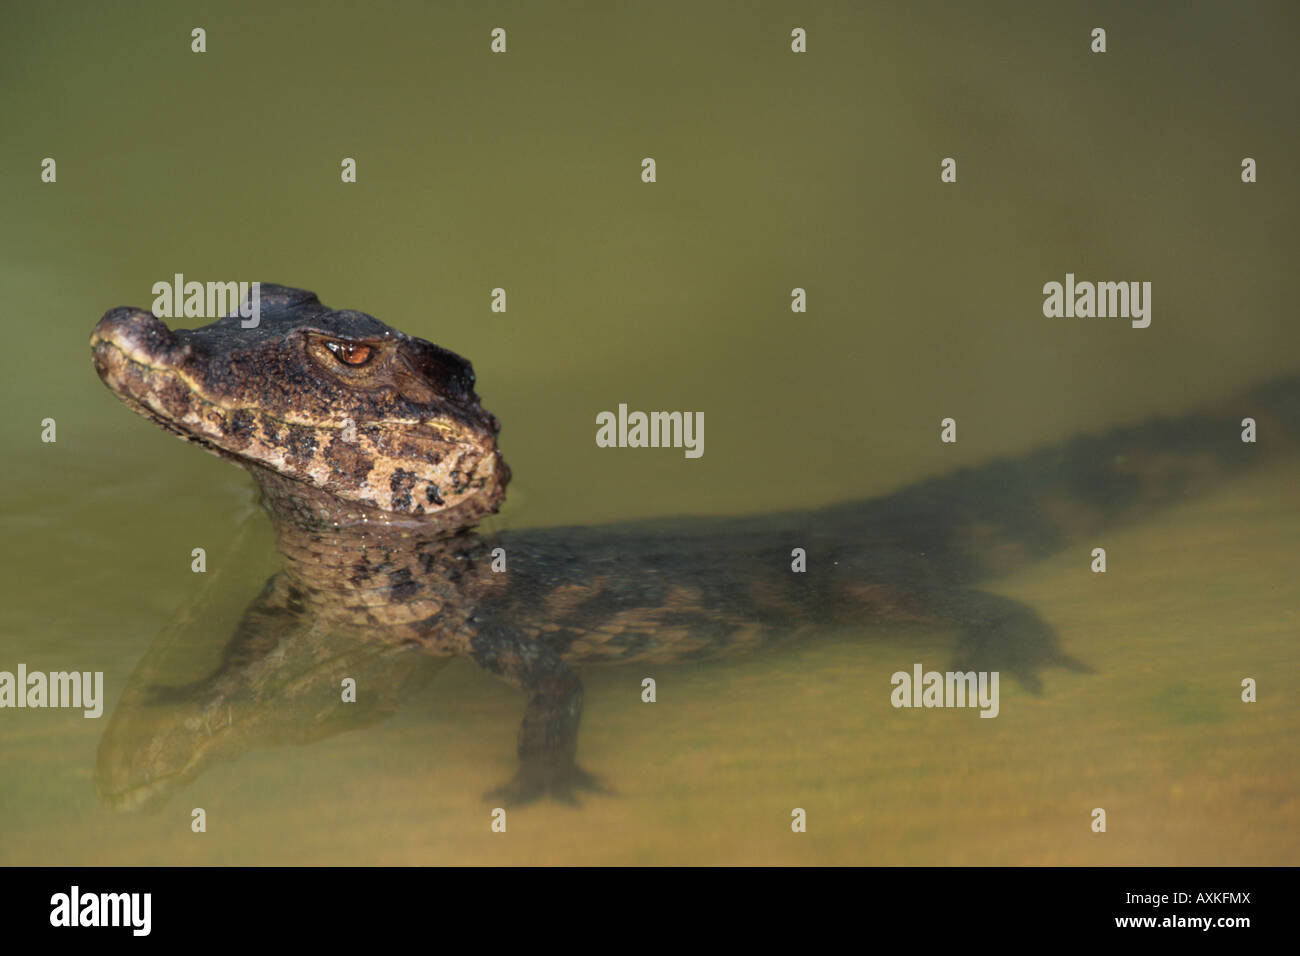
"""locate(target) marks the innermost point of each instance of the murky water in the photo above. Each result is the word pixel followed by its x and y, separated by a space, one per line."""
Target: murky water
pixel 819 171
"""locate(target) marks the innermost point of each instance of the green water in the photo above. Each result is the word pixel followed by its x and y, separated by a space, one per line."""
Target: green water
pixel 775 170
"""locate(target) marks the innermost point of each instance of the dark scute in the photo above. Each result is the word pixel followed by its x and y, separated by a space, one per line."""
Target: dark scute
pixel 301 443
pixel 346 461
pixel 402 586
pixel 400 485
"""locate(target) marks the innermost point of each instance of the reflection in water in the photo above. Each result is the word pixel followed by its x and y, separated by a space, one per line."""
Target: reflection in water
pixel 279 683
pixel 276 686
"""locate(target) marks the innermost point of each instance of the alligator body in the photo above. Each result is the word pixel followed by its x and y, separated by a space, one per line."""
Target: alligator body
pixel 376 460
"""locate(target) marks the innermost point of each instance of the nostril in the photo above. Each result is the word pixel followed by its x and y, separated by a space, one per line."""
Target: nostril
pixel 136 332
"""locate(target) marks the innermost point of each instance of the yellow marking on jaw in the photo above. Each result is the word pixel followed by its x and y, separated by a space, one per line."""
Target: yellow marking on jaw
pixel 174 400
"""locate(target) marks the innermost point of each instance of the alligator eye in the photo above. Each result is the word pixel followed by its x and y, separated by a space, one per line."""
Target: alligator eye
pixel 350 353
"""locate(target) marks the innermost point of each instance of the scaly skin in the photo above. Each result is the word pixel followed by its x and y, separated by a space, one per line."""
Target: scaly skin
pixel 376 460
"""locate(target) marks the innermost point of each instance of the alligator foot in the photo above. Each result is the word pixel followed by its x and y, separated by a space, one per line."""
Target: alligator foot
pixel 1002 634
pixel 537 779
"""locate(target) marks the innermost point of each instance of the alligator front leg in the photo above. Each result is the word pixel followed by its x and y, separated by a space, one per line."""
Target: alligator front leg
pixel 548 736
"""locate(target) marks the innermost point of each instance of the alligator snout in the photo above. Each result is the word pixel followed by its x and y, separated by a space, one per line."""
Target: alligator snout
pixel 139 335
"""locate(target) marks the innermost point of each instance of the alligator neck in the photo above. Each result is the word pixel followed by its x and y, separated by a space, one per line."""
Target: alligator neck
pixel 330 545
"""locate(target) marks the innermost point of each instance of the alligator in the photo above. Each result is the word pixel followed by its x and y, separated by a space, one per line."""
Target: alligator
pixel 376 461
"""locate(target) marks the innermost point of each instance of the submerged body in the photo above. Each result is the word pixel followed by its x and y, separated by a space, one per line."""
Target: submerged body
pixel 375 461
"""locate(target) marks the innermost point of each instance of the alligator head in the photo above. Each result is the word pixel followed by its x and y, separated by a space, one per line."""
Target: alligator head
pixel 331 400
